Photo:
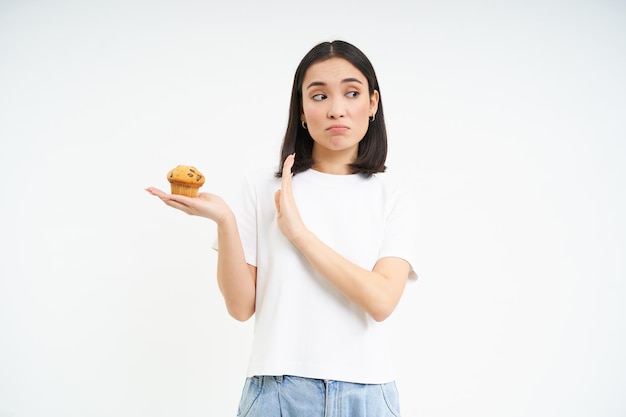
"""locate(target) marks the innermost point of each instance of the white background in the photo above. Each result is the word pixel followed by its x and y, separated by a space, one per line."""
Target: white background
pixel 508 118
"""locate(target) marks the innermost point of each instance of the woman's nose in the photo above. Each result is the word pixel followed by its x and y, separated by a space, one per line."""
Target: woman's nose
pixel 336 109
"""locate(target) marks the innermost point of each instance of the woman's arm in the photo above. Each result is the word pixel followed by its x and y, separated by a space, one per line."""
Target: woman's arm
pixel 377 291
pixel 236 279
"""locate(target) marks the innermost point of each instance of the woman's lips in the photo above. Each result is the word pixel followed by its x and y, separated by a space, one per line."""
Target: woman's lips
pixel 337 128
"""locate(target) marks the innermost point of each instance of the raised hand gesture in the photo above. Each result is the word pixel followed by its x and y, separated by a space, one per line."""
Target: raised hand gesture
pixel 287 214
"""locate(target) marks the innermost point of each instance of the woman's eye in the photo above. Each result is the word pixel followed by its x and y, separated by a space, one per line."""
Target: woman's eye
pixel 353 94
pixel 318 97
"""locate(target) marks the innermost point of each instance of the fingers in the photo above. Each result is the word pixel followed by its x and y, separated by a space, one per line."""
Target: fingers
pixel 172 200
pixel 155 191
pixel 286 176
pixel 287 214
pixel 277 201
pixel 205 204
pixel 285 184
pixel 288 164
pixel 158 193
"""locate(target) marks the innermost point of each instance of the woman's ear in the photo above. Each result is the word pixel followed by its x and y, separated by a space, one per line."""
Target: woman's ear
pixel 374 97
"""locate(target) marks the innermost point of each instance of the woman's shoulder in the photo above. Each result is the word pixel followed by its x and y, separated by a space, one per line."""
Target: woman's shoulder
pixel 396 186
pixel 261 177
pixel 392 181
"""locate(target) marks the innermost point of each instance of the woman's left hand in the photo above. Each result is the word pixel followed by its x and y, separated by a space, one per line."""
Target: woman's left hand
pixel 287 214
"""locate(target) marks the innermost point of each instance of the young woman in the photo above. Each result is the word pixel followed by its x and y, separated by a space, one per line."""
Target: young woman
pixel 320 251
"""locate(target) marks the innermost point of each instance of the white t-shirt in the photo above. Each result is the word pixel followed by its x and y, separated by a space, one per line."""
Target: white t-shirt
pixel 303 325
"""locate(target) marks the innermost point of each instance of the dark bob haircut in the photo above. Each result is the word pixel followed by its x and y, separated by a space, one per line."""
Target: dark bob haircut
pixel 372 152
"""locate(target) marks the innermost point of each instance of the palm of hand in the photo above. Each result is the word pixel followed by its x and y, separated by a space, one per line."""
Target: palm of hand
pixel 287 214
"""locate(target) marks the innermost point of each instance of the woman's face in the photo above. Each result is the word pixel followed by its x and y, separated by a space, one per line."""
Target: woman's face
pixel 336 107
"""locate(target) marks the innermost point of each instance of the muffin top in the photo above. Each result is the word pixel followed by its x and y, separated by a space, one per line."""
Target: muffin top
pixel 186 174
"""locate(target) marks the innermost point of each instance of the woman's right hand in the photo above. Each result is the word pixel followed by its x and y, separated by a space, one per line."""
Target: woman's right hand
pixel 206 205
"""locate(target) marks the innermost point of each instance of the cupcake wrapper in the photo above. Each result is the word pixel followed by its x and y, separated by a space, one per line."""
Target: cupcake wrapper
pixel 183 189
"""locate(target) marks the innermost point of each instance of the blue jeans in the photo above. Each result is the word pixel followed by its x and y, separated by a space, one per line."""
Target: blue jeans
pixel 290 396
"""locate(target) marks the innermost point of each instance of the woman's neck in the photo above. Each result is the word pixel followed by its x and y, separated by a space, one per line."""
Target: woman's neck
pixel 337 163
pixel 331 168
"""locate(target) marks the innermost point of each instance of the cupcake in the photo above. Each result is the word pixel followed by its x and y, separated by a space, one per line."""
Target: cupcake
pixel 185 180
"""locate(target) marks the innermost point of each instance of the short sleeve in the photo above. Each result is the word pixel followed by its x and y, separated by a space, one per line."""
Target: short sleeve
pixel 400 232
pixel 244 208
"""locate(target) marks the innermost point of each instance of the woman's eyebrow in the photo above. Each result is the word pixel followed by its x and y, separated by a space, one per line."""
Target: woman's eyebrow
pixel 345 80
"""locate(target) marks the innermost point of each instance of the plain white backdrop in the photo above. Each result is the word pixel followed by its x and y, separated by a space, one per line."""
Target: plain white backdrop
pixel 507 117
